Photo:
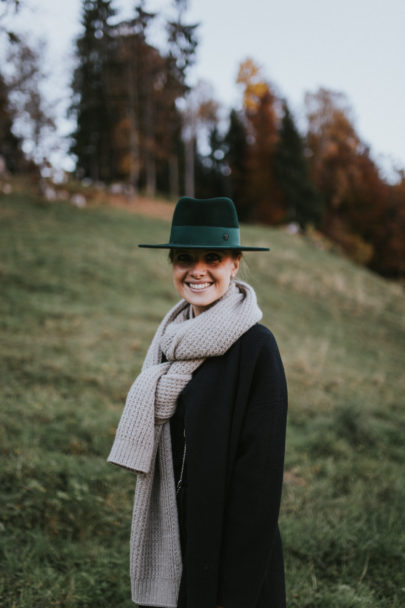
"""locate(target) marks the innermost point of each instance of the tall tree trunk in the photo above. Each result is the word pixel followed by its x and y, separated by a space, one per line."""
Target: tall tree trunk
pixel 189 178
pixel 150 162
pixel 133 131
pixel 94 158
pixel 174 175
pixel 150 168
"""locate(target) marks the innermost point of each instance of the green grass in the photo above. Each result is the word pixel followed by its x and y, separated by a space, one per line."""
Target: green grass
pixel 79 305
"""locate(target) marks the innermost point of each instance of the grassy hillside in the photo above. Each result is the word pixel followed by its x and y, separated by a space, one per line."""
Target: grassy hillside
pixel 79 305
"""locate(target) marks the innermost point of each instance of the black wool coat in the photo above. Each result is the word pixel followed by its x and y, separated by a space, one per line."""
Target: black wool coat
pixel 234 414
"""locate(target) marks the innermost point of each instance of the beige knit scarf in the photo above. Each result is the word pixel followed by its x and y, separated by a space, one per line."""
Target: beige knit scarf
pixel 142 441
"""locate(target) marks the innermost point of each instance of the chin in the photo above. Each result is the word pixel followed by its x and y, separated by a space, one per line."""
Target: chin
pixel 203 303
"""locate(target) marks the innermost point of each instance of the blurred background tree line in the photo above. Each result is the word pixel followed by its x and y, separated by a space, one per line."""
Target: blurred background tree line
pixel 139 122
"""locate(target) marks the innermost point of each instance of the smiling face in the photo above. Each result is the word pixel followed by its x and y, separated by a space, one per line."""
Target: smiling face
pixel 202 276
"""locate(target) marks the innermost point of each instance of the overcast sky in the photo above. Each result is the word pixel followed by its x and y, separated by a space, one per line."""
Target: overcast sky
pixel 353 46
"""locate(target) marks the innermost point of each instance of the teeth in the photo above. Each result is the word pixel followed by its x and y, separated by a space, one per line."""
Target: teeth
pixel 199 285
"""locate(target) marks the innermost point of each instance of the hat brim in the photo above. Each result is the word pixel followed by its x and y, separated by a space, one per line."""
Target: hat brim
pixel 183 246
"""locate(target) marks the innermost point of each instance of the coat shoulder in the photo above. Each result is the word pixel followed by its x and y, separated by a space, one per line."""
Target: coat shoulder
pixel 249 358
pixel 261 357
pixel 258 337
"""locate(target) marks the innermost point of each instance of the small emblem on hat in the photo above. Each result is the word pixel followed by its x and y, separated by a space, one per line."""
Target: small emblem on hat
pixel 226 236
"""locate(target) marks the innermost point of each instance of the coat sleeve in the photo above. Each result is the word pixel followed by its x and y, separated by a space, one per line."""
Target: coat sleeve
pixel 253 501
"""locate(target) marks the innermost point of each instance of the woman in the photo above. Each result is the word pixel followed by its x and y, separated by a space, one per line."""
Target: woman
pixel 204 429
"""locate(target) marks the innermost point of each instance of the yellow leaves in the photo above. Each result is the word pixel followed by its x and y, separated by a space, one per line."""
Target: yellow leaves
pixel 255 86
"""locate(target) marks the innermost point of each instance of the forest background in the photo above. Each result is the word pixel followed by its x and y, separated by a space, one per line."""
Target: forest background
pixel 141 127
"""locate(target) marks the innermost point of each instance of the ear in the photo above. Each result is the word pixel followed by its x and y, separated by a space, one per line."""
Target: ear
pixel 236 262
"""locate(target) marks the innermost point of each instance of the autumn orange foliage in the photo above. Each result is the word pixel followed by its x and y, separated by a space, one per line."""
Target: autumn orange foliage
pixel 262 116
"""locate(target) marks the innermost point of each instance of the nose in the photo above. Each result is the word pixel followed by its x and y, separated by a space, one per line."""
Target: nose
pixel 199 269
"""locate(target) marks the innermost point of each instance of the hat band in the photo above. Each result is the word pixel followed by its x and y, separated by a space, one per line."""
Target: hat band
pixel 210 236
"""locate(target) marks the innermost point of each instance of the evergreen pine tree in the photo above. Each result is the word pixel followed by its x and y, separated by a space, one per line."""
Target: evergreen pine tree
pixel 91 104
pixel 209 171
pixel 125 93
pixel 182 45
pixel 236 158
pixel 302 199
pixel 10 144
pixel 133 75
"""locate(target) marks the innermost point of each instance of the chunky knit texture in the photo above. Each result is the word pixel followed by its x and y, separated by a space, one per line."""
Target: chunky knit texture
pixel 142 441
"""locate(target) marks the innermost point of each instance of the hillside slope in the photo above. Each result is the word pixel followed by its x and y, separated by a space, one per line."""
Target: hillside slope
pixel 79 305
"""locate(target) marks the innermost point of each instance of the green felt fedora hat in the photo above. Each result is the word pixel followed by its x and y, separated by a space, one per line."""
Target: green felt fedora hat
pixel 205 223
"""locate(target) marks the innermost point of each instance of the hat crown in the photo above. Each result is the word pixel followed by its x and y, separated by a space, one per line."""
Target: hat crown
pixel 205 223
pixel 219 211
